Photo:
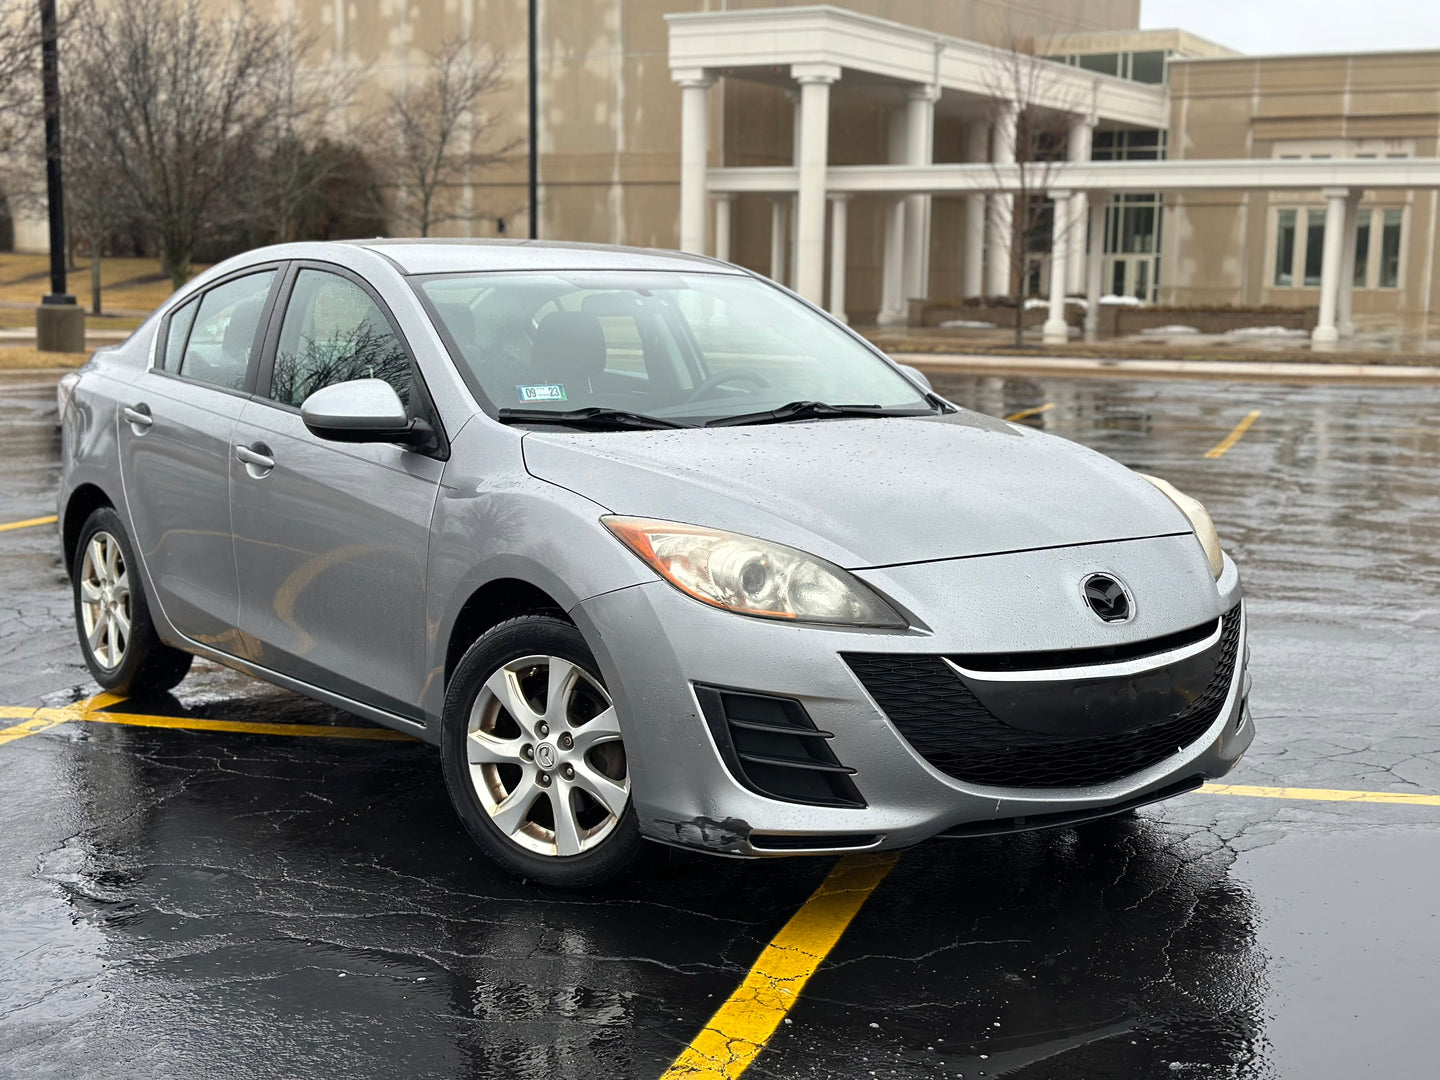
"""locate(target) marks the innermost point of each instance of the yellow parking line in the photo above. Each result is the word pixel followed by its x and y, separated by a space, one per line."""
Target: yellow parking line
pixel 743 1025
pixel 1323 794
pixel 35 724
pixel 1234 436
pixel 29 523
pixel 1023 413
pixel 34 721
pixel 190 723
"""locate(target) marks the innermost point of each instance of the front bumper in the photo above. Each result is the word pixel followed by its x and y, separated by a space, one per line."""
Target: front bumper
pixel 655 646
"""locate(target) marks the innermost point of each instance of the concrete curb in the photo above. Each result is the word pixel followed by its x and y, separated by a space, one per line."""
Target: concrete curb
pixel 1257 371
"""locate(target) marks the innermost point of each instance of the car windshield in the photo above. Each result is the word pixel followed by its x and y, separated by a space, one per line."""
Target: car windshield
pixel 687 348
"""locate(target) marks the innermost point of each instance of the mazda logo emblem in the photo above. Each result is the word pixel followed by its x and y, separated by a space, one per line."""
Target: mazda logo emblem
pixel 1108 598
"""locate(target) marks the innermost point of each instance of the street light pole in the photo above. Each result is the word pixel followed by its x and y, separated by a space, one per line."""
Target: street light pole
pixel 59 321
pixel 534 121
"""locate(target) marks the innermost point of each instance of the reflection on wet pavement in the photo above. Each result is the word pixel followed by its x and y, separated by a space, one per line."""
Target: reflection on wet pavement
pixel 181 903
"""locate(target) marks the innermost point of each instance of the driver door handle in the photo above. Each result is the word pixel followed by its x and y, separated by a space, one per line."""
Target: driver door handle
pixel 257 457
pixel 138 415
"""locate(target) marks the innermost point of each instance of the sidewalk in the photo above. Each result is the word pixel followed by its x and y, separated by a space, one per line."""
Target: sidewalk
pixel 1244 370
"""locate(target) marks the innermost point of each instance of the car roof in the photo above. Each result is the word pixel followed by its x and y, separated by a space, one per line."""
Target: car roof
pixel 448 256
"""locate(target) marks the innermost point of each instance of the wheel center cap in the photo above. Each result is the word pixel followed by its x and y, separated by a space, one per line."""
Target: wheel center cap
pixel 545 756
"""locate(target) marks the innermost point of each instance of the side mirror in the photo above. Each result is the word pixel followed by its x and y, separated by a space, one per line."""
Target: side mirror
pixel 917 376
pixel 363 410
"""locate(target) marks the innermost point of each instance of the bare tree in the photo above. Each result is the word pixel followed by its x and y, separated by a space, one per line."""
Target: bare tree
pixel 1029 96
pixel 186 97
pixel 437 130
pixel 94 205
pixel 20 105
pixel 294 161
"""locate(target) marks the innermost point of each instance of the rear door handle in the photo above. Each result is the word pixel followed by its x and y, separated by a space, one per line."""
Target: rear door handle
pixel 256 458
pixel 138 416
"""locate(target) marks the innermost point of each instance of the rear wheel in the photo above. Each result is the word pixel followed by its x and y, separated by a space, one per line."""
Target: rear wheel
pixel 122 650
pixel 534 758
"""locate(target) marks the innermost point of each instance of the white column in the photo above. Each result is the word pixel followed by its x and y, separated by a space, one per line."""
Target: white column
pixel 919 150
pixel 792 273
pixel 1095 264
pixel 1325 335
pixel 1002 207
pixel 839 234
pixel 778 206
pixel 972 276
pixel 724 205
pixel 893 310
pixel 1055 331
pixel 815 80
pixel 1345 309
pixel 1077 148
pixel 694 151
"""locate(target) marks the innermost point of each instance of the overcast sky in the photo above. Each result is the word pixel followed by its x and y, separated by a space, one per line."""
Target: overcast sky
pixel 1290 26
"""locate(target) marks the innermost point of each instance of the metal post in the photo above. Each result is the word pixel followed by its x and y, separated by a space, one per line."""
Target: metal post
pixel 534 104
pixel 59 321
pixel 54 184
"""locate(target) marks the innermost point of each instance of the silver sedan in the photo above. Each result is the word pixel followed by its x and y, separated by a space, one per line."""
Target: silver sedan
pixel 648 547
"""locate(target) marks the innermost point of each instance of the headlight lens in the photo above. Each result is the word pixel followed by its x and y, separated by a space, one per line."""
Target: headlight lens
pixel 752 577
pixel 1199 521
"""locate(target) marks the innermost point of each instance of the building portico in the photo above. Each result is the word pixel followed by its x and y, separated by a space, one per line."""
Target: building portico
pixel 812 50
pixel 915 80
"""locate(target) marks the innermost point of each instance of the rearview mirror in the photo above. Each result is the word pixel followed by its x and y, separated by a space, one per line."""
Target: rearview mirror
pixel 363 410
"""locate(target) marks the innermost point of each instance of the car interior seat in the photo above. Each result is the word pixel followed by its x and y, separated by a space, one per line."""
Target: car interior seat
pixel 569 350
pixel 239 338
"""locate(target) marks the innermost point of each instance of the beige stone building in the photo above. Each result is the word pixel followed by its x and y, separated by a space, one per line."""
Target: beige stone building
pixel 1257 247
pixel 681 123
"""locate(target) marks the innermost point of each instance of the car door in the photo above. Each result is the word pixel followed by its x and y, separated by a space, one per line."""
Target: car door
pixel 175 427
pixel 332 539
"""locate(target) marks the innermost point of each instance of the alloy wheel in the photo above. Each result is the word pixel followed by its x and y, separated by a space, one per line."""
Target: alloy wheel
pixel 545 756
pixel 105 600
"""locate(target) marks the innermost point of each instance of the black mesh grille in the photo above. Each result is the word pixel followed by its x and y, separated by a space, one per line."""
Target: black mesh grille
pixel 939 716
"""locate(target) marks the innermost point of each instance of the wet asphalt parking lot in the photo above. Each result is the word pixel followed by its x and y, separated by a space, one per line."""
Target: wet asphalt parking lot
pixel 237 898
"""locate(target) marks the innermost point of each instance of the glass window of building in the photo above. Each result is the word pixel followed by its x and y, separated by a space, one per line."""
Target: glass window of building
pixel 1285 249
pixel 1314 246
pixel 1101 63
pixel 1148 67
pixel 1362 249
pixel 1390 248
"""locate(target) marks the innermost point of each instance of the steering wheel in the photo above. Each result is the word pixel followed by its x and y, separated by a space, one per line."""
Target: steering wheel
pixel 720 378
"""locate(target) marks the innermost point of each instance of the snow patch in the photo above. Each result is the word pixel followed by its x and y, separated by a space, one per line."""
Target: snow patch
pixel 1267 331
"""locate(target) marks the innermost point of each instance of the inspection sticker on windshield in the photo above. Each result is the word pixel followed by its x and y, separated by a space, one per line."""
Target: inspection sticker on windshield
pixel 542 392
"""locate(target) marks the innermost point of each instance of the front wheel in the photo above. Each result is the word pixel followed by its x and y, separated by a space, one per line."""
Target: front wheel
pixel 534 759
pixel 117 636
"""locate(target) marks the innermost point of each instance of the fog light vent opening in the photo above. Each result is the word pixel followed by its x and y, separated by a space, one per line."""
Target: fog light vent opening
pixel 772 747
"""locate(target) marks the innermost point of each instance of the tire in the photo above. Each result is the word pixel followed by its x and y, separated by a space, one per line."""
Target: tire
pixel 513 764
pixel 112 617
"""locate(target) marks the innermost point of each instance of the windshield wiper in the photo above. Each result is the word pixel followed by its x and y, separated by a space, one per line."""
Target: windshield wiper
pixel 809 410
pixel 592 419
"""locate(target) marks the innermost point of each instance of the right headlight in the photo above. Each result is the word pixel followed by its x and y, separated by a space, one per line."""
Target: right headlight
pixel 1199 521
pixel 752 577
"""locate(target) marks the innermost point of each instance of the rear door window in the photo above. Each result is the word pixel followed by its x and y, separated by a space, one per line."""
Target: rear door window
pixel 225 327
pixel 181 320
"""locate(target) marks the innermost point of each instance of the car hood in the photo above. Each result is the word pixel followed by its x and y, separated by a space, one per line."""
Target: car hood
pixel 865 493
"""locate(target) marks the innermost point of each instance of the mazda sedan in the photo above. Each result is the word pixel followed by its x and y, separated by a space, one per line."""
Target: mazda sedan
pixel 648 547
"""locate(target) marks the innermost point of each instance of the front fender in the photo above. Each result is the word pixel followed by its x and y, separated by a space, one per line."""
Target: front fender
pixel 502 524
